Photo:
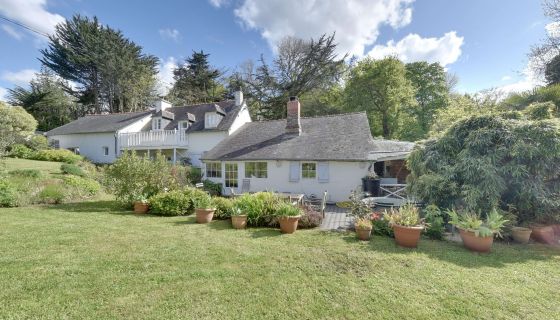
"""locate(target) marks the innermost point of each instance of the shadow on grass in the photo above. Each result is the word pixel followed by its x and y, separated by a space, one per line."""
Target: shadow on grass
pixel 101 206
pixel 264 233
pixel 502 254
pixel 220 225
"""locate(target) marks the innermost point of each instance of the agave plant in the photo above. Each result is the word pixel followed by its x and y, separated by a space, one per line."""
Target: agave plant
pixel 471 221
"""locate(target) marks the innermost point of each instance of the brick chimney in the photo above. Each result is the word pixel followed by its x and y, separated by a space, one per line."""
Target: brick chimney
pixel 293 122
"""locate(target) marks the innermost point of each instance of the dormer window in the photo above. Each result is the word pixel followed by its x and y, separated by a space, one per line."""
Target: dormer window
pixel 183 125
pixel 212 119
pixel 156 124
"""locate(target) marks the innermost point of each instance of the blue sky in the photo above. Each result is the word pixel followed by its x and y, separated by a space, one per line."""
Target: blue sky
pixel 485 43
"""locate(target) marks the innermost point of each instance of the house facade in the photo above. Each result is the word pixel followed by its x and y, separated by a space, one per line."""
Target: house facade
pixel 182 133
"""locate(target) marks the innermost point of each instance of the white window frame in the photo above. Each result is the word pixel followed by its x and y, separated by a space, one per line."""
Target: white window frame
pixel 217 171
pixel 257 171
pixel 183 125
pixel 315 170
pixel 105 151
pixel 211 120
pixel 228 179
pixel 157 124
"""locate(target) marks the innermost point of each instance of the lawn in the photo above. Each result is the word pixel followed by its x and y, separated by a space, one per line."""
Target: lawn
pixel 93 260
pixel 43 166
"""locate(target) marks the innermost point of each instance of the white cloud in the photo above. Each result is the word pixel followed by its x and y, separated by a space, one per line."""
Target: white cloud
pixel 529 81
pixel 32 13
pixel 172 34
pixel 21 77
pixel 506 78
pixel 553 29
pixel 355 22
pixel 413 47
pixel 218 3
pixel 12 32
pixel 165 75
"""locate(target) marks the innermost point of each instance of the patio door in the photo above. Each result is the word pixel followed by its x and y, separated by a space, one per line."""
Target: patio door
pixel 231 175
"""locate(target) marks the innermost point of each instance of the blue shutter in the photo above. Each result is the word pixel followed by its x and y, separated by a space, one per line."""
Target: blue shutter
pixel 323 172
pixel 294 171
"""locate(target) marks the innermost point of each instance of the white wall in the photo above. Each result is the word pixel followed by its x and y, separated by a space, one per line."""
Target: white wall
pixel 203 141
pixel 90 144
pixel 136 126
pixel 243 117
pixel 343 178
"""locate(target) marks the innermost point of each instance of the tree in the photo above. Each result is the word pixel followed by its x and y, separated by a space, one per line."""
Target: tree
pixel 430 82
pixel 541 54
pixel 47 100
pixel 381 88
pixel 552 71
pixel 15 125
pixel 111 71
pixel 299 68
pixel 196 81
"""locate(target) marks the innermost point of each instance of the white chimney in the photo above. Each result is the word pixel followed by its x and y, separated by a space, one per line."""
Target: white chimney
pixel 238 98
pixel 162 105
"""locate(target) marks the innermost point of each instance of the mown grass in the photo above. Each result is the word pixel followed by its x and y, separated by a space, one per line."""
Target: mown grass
pixel 94 260
pixel 44 166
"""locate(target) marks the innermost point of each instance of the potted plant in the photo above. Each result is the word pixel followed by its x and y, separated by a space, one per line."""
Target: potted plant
pixel 238 218
pixel 477 235
pixel 406 224
pixel 204 208
pixel 363 229
pixel 141 204
pixel 288 217
pixel 521 234
pixel 371 183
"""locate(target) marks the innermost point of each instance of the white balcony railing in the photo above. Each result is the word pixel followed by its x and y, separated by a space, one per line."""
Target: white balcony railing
pixel 163 138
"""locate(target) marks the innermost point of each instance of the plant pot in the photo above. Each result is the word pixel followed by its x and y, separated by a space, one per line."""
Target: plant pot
pixel 141 207
pixel 474 243
pixel 543 234
pixel 521 235
pixel 239 222
pixel 204 215
pixel 371 186
pixel 407 236
pixel 288 224
pixel 363 234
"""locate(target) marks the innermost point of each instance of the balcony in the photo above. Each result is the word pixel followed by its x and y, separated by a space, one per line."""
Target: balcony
pixel 153 139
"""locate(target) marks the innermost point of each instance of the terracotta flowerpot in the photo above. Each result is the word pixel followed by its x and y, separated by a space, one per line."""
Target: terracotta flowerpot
pixel 288 224
pixel 363 234
pixel 239 222
pixel 407 236
pixel 521 235
pixel 474 243
pixel 204 215
pixel 141 207
pixel 544 234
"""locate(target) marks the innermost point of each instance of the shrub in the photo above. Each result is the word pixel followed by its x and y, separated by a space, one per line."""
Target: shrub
pixel 213 188
pixel 253 207
pixel 363 224
pixel 37 142
pixel 57 155
pixel 435 222
pixel 52 194
pixel 173 203
pixel 224 207
pixel 8 194
pixel 26 173
pixel 358 208
pixel 202 202
pixel 407 215
pixel 381 226
pixel 288 210
pixel 81 187
pixel 309 218
pixel 21 151
pixel 72 169
pixel 540 110
pixel 194 174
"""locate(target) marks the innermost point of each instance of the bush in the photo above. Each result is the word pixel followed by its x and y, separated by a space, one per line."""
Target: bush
pixel 213 188
pixel 203 202
pixel 27 173
pixel 253 207
pixel 8 194
pixel 37 142
pixel 20 151
pixel 540 110
pixel 288 210
pixel 173 203
pixel 194 175
pixel 310 218
pixel 57 155
pixel 381 226
pixel 224 207
pixel 435 222
pixel 81 187
pixel 52 194
pixel 72 169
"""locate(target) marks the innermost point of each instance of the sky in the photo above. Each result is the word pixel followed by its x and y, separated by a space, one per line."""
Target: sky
pixel 483 42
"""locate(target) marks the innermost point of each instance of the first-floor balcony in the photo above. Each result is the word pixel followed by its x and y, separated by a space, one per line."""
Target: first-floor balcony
pixel 153 139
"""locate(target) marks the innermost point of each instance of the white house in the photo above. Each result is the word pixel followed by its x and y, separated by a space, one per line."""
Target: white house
pixel 181 133
pixel 304 155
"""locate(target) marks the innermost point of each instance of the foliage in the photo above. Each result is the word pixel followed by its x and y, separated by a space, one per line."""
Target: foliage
pixel 211 187
pixel 21 151
pixel 358 208
pixel 198 197
pixel 37 142
pixel 552 71
pixel 53 193
pixel 288 210
pixel 323 101
pixel 194 174
pixel 111 71
pixel 81 188
pixel 435 222
pixel 254 208
pixel 485 162
pixel 520 101
pixel 471 221
pixel 363 224
pixel 132 176
pixel 15 126
pixel 309 218
pixel 407 215
pixel 73 169
pixel 224 208
pixel 381 88
pixel 8 194
pixel 173 203
pixel 381 226
pixel 540 110
pixel 26 173
pixel 57 155
pixel 203 202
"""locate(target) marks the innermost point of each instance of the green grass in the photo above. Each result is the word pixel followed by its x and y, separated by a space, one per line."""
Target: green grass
pixel 93 260
pixel 44 166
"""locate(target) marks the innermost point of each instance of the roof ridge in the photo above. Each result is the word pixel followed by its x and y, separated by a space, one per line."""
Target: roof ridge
pixel 316 117
pixel 117 113
pixel 201 104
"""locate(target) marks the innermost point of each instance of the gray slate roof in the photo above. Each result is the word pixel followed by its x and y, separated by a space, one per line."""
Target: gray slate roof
pixel 228 107
pixel 344 137
pixel 99 123
pixel 390 150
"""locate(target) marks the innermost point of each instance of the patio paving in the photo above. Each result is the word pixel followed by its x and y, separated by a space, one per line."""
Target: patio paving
pixel 336 219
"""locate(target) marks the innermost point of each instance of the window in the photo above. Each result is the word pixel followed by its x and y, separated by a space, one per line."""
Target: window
pixel 156 124
pixel 231 175
pixel 213 170
pixel 212 119
pixel 105 151
pixel 308 170
pixel 183 125
pixel 256 170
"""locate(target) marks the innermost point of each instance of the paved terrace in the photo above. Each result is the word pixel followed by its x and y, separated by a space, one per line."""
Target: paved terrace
pixel 336 219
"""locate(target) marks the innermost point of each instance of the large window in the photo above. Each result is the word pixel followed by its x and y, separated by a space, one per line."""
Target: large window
pixel 308 170
pixel 231 175
pixel 256 170
pixel 213 170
